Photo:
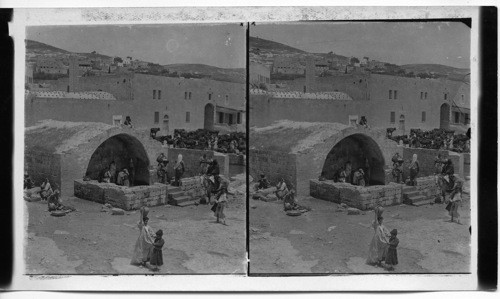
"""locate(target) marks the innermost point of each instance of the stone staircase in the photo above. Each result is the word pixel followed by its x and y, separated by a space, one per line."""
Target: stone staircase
pixel 177 197
pixel 412 196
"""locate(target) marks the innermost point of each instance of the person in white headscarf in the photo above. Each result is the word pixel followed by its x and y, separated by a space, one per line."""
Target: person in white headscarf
pixel 414 169
pixel 179 170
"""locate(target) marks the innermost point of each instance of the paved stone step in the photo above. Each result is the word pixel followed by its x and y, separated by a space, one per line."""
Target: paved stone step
pixel 187 203
pixel 412 193
pixel 423 202
pixel 173 188
pixel 176 194
pixel 179 200
pixel 414 199
pixel 409 189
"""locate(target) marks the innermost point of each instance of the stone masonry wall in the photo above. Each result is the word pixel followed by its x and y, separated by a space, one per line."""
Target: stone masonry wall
pixel 365 198
pixel 191 160
pixel 127 198
pixel 43 165
pixel 426 159
pixel 193 186
pixel 274 165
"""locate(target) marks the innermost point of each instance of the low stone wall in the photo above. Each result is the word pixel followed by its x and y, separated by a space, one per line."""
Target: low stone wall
pixel 426 158
pixel 427 185
pixel 274 164
pixel 42 165
pixel 365 198
pixel 191 160
pixel 193 186
pixel 127 198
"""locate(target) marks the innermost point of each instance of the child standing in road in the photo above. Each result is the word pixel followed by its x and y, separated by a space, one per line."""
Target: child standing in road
pixel 392 253
pixel 156 252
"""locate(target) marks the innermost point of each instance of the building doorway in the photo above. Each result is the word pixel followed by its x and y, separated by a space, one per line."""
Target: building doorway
pixel 402 124
pixel 209 117
pixel 165 128
pixel 444 120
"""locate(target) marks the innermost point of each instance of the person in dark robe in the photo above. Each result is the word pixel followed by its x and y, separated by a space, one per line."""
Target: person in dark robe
pixel 112 171
pixel 348 172
pixel 214 170
pixel 449 173
pixel 263 182
pixel 392 253
pixel 128 122
pixel 156 258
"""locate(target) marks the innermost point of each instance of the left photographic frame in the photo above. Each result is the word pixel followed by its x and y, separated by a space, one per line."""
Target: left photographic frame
pixel 134 143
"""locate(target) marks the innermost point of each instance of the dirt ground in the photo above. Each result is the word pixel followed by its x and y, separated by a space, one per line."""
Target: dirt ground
pixel 324 240
pixel 92 241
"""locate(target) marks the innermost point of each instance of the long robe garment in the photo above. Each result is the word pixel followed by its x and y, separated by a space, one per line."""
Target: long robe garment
pixel 143 245
pixel 379 244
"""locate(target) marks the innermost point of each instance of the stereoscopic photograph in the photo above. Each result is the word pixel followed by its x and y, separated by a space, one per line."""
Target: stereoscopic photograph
pixel 246 149
pixel 359 147
pixel 135 142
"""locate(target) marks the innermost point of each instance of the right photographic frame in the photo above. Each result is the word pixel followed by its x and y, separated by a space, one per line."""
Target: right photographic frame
pixel 359 147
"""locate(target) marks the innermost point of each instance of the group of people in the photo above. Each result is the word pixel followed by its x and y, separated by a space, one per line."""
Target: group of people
pixel 148 247
pixel 398 169
pixel 345 174
pixel 124 177
pixel 47 193
pixel 383 246
pixel 283 192
pixel 202 139
pixel 163 174
pixel 434 139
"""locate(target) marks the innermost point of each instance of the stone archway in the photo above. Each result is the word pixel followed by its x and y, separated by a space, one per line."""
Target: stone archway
pixel 444 119
pixel 362 151
pixel 120 148
pixel 209 117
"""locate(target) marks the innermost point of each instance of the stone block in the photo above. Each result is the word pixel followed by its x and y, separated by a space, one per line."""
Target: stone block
pixel 353 211
pixel 117 211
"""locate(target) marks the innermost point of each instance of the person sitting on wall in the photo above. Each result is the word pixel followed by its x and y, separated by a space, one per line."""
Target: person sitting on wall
pixel 358 178
pixel 340 175
pixel 122 179
pixel 46 189
pixel 348 172
pixel 112 170
pixel 106 177
pixel 128 122
pixel 263 182
pixel 363 122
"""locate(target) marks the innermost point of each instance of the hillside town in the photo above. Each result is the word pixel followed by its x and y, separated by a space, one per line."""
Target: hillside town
pixel 344 148
pixel 133 167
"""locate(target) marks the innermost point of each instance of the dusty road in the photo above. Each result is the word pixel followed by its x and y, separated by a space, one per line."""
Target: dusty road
pixel 326 241
pixel 90 241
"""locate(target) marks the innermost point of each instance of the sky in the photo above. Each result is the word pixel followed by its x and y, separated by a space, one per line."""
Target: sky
pixel 446 43
pixel 222 45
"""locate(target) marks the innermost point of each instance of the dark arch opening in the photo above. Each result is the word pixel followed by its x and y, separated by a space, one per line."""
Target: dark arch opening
pixel 209 117
pixel 121 148
pixel 444 120
pixel 356 148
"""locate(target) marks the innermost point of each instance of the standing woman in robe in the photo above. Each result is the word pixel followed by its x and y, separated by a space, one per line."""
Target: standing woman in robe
pixel 380 241
pixel 414 170
pixel 179 170
pixel 145 242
